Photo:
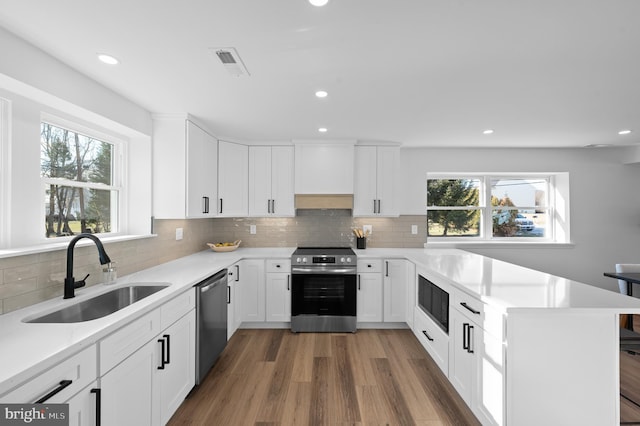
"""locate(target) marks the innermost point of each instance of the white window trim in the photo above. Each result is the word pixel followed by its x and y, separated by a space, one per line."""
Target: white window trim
pixel 557 212
pixel 119 175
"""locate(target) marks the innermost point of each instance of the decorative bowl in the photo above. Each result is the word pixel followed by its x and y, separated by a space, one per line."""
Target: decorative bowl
pixel 225 248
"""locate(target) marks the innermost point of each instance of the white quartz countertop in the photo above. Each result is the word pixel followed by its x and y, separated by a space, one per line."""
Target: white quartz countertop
pixel 30 348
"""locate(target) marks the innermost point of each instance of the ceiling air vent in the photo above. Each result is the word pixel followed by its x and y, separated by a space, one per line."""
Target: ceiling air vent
pixel 231 60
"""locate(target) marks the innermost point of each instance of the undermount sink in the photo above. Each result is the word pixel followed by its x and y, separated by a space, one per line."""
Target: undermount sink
pixel 99 306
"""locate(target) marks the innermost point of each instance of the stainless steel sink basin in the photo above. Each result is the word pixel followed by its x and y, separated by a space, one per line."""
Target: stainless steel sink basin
pixel 99 306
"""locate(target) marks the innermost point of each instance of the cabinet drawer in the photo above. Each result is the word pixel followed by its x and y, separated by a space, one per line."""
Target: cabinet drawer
pixel 175 309
pixel 81 369
pixel 279 265
pixel 469 306
pixel 370 265
pixel 433 338
pixel 116 347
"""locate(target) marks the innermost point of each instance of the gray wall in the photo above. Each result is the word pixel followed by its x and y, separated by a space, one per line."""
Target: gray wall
pixel 605 206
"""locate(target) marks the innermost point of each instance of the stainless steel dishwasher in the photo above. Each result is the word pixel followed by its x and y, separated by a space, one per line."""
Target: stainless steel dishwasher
pixel 211 327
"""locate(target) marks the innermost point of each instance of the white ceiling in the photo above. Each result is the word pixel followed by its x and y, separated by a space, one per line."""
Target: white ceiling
pixel 548 73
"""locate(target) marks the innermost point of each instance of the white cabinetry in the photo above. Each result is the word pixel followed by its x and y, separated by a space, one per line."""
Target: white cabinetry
pixel 250 290
pixel 72 381
pixel 233 179
pixel 148 366
pixel 395 290
pixel 278 290
pixel 185 160
pixel 271 171
pixel 233 307
pixel 369 299
pixel 476 358
pixel 324 168
pixel 376 175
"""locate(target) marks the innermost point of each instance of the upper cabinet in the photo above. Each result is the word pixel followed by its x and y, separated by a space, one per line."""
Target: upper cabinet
pixel 184 168
pixel 324 167
pixel 233 179
pixel 376 181
pixel 271 181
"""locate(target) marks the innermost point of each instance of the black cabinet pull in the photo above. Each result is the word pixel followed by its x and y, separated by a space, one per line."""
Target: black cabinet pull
pixel 273 206
pixel 374 207
pixel 168 360
pixel 465 336
pixel 386 262
pixel 288 282
pixel 228 294
pixel 358 282
pixel 162 349
pixel 429 338
pixel 205 206
pixel 469 339
pixel 98 393
pixel 464 305
pixel 63 384
pixel 237 273
pixel 220 205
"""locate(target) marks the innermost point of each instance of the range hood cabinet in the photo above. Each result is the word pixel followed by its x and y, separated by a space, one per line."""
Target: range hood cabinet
pixel 324 202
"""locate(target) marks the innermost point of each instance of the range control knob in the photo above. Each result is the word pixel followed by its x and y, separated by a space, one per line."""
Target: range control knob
pixel 348 260
pixel 298 260
pixel 304 260
pixel 342 260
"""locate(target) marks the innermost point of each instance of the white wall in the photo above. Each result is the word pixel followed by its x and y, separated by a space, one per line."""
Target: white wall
pixel 605 206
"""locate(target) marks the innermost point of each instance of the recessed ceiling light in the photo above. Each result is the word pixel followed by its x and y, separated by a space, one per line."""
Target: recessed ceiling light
pixel 323 129
pixel 108 59
pixel 487 132
pixel 624 132
pixel 321 94
pixel 318 2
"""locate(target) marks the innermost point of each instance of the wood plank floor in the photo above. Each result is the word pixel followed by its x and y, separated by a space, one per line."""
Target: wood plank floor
pixel 372 377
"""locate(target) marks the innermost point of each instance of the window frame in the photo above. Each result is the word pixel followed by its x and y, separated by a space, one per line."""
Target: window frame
pixel 118 178
pixel 486 210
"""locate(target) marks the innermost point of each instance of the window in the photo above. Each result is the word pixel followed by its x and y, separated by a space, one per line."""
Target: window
pixel 491 207
pixel 78 172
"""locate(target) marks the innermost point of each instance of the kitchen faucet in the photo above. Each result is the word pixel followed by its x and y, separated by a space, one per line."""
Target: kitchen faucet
pixel 70 284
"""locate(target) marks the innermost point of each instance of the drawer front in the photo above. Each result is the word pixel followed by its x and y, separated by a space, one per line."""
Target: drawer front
pixel 469 306
pixel 279 265
pixel 81 369
pixel 116 347
pixel 369 265
pixel 176 308
pixel 433 338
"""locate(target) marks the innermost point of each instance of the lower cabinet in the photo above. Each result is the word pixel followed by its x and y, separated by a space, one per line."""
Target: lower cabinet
pixel 278 290
pixel 395 278
pixel 476 363
pixel 148 385
pixel 84 406
pixel 370 294
pixel 250 290
pixel 433 338
pixel 233 304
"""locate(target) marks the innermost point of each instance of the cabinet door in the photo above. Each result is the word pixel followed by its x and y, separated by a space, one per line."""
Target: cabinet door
pixel 462 355
pixel 177 377
pixel 202 161
pixel 250 285
pixel 260 180
pixel 395 290
pixel 365 194
pixel 231 308
pixel 278 297
pixel 83 406
pixel 488 402
pixel 282 172
pixel 369 298
pixel 387 166
pixel 233 179
pixel 130 395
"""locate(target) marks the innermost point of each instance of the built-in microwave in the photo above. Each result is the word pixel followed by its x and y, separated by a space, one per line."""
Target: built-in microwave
pixel 434 301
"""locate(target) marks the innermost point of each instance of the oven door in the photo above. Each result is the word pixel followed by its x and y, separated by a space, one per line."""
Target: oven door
pixel 323 293
pixel 323 300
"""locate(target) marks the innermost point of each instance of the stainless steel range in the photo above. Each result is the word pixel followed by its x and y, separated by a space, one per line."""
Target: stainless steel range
pixel 323 289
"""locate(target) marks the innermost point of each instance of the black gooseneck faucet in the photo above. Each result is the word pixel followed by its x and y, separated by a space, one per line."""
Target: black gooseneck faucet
pixel 70 284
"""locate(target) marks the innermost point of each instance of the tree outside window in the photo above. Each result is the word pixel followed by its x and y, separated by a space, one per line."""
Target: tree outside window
pixel 78 174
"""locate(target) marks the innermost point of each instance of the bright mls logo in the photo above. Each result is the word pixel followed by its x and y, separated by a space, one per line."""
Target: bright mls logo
pixel 34 414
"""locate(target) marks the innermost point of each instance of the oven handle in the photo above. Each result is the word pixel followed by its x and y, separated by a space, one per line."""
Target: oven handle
pixel 321 270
